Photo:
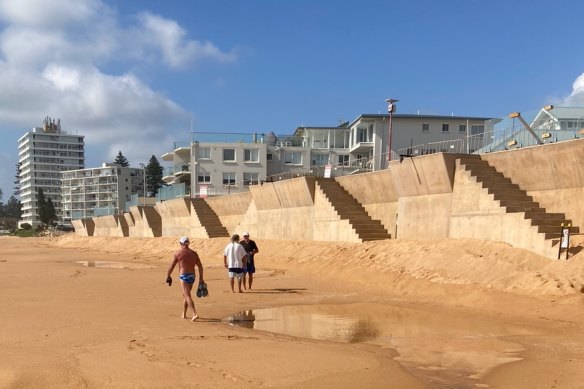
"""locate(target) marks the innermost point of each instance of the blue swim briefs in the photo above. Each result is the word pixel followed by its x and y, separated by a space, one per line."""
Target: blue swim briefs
pixel 189 278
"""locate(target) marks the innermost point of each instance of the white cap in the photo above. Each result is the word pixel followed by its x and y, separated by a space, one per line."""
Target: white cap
pixel 184 239
pixel 245 234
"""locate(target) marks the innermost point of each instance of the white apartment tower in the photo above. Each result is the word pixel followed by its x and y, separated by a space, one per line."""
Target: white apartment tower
pixel 44 152
pixel 99 191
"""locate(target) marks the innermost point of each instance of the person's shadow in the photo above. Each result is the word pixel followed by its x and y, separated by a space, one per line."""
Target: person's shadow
pixel 277 290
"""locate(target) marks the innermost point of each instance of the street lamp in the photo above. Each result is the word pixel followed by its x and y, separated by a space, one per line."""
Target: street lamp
pixel 391 107
pixel 144 184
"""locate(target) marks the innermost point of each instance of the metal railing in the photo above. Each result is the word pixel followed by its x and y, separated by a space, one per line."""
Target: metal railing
pixel 355 166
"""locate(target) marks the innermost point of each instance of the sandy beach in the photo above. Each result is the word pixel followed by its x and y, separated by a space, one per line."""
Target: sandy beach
pixel 446 313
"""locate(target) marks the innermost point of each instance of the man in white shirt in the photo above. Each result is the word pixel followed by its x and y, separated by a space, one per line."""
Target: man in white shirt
pixel 234 257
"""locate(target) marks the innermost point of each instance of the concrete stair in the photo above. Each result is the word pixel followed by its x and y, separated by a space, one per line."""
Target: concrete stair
pixel 350 209
pixel 515 200
pixel 209 219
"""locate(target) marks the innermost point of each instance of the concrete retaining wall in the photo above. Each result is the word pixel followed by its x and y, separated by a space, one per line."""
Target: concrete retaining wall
pixel 422 197
pixel 553 174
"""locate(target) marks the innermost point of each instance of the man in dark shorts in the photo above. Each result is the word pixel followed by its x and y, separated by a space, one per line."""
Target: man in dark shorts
pixel 187 259
pixel 251 249
pixel 234 257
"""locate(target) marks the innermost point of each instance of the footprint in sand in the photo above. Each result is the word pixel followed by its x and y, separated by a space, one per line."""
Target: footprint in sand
pixel 144 350
pixel 78 274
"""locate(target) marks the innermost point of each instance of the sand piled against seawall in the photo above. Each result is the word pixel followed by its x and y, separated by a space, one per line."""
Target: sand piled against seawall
pixel 379 264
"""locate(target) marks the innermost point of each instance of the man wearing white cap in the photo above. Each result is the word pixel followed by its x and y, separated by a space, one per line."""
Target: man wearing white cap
pixel 234 257
pixel 251 248
pixel 187 259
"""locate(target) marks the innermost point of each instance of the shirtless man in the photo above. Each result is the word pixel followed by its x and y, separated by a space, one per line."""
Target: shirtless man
pixel 186 259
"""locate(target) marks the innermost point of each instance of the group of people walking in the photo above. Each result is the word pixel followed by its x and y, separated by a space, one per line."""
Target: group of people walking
pixel 238 258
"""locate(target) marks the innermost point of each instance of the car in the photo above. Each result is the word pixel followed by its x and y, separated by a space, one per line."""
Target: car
pixel 64 227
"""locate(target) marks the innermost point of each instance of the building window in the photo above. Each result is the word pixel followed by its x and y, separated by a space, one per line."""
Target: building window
pixel 319 159
pixel 250 179
pixel 362 135
pixel 293 158
pixel 229 178
pixel 425 127
pixel 343 159
pixel 228 155
pixel 477 129
pixel 251 155
pixel 269 157
pixel 204 177
pixel 445 127
pixel 204 153
pixel 462 127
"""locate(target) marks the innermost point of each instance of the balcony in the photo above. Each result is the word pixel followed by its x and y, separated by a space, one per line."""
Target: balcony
pixel 178 173
pixel 362 147
pixel 182 150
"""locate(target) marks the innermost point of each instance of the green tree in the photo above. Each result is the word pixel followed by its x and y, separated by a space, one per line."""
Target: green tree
pixel 42 207
pixel 153 177
pixel 17 179
pixel 51 212
pixel 121 160
pixel 13 208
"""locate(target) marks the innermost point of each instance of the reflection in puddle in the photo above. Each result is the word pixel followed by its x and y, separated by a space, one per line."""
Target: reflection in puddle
pixel 442 350
pixel 115 265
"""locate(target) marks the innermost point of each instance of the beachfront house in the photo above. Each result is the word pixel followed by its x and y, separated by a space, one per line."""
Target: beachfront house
pixel 223 163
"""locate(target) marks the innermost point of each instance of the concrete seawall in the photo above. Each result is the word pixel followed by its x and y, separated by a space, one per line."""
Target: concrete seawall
pixel 426 197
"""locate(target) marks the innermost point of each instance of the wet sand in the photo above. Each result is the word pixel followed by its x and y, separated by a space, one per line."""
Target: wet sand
pixel 451 323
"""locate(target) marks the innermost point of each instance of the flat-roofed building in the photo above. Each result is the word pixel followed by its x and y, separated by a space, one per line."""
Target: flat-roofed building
pixel 99 191
pixel 43 153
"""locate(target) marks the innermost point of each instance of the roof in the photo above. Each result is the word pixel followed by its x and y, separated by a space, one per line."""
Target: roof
pixel 568 112
pixel 415 116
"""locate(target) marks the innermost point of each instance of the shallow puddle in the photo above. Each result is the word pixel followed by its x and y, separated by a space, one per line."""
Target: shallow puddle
pixel 444 351
pixel 115 265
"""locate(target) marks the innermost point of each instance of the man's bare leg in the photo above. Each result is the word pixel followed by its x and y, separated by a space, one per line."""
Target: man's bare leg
pixel 239 285
pixel 185 306
pixel 250 280
pixel 189 300
pixel 232 283
pixel 244 280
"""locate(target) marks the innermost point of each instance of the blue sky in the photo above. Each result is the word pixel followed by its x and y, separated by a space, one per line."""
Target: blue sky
pixel 134 75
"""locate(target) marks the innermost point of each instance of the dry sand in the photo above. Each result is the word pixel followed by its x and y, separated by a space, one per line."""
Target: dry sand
pixel 459 313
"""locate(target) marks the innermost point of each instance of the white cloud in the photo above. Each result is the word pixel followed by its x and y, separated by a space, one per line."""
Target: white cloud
pixel 52 57
pixel 576 98
pixel 46 14
pixel 62 77
pixel 170 39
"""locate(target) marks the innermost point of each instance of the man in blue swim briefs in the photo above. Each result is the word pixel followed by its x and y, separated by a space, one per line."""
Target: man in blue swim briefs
pixel 187 259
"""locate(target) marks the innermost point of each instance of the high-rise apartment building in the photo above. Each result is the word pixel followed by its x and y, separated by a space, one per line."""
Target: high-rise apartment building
pixel 44 152
pixel 99 191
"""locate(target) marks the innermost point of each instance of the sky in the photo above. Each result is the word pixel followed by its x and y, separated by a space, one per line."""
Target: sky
pixel 137 76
